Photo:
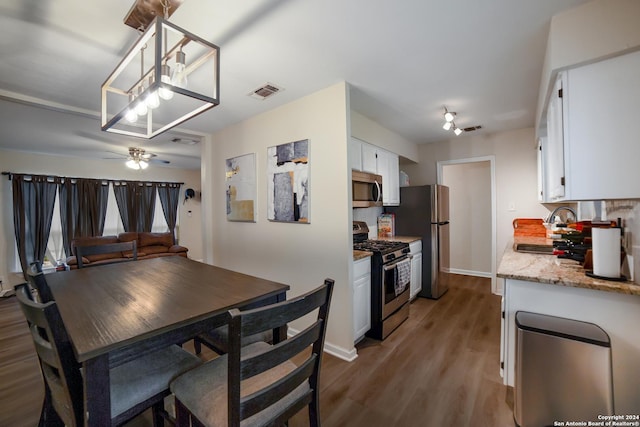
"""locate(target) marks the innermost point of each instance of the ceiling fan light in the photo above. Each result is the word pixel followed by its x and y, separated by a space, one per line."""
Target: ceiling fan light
pixel 143 164
pixel 457 131
pixel 446 126
pixel 132 164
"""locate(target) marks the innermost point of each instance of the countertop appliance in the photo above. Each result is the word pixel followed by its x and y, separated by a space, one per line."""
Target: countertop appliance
pixel 366 189
pixel 424 213
pixel 390 281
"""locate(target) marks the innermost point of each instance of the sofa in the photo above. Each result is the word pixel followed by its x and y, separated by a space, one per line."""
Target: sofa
pixel 149 245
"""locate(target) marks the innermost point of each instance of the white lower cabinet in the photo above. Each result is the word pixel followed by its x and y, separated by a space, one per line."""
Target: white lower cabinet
pixel 361 297
pixel 416 268
pixel 617 314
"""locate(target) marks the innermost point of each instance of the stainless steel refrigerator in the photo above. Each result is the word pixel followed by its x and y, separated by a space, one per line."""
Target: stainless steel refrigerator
pixel 424 213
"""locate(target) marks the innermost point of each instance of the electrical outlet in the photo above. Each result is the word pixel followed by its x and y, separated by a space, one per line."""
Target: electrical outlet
pixel 511 207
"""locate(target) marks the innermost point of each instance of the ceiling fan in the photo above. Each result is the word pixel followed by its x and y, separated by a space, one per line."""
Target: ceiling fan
pixel 139 159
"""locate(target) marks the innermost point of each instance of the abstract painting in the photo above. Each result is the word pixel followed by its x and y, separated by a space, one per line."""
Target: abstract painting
pixel 288 182
pixel 241 188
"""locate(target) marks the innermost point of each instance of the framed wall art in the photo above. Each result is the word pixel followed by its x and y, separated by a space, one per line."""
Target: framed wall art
pixel 288 182
pixel 241 188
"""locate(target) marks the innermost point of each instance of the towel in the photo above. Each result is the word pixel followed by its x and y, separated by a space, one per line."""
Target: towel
pixel 403 276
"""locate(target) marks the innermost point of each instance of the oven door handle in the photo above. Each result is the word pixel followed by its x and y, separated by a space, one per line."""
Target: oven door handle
pixel 395 263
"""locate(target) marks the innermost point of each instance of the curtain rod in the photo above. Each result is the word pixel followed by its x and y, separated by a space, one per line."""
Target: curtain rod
pixel 10 174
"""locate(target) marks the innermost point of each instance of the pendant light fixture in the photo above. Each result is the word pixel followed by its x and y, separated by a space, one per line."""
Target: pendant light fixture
pixel 176 80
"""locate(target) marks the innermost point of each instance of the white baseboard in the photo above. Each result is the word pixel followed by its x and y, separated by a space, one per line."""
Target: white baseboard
pixel 334 350
pixel 470 273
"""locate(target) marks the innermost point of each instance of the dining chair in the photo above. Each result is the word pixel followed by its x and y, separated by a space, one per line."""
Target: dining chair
pixel 259 384
pixel 109 248
pixel 135 386
pixel 37 281
pixel 218 339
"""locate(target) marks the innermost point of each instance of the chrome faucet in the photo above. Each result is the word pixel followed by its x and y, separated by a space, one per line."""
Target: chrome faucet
pixel 552 217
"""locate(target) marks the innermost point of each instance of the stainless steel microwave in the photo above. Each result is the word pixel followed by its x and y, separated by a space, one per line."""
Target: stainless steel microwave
pixel 366 189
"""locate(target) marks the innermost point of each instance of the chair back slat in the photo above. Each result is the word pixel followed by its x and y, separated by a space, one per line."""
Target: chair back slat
pixel 291 387
pixel 55 354
pixel 266 397
pixel 109 248
pixel 258 320
pixel 280 352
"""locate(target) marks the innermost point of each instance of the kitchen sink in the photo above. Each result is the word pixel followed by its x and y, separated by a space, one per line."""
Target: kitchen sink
pixel 533 248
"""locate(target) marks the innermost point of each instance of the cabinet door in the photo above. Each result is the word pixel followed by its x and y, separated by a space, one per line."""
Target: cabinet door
pixel 369 158
pixel 554 153
pixel 389 169
pixel 602 144
pixel 355 153
pixel 416 274
pixel 361 307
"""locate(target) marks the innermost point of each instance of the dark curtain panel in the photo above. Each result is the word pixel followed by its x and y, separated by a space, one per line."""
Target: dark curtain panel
pixel 136 203
pixel 147 205
pixel 83 208
pixel 33 201
pixel 169 197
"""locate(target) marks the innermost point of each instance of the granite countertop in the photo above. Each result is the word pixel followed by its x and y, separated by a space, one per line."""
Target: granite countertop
pixel 403 239
pixel 550 269
pixel 358 255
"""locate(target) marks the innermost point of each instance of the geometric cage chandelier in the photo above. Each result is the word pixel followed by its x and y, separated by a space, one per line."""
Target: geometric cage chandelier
pixel 168 77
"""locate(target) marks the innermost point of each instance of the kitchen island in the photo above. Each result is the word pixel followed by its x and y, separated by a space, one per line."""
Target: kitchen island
pixel 558 287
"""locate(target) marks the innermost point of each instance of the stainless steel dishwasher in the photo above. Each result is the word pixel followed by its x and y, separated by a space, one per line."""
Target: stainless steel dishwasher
pixel 563 371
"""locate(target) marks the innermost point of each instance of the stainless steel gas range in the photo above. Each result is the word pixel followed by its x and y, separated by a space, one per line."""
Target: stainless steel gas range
pixel 390 281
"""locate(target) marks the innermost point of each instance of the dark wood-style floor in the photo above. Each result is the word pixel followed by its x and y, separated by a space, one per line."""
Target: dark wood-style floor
pixel 439 368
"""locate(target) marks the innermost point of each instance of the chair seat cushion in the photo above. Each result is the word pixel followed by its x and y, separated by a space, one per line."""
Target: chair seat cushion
pixel 142 378
pixel 204 390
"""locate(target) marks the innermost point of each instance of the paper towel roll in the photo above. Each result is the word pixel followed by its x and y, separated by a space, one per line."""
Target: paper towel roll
pixel 606 252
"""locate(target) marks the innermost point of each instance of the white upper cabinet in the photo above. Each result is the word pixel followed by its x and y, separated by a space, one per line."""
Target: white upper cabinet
pixel 592 148
pixel 553 147
pixel 369 158
pixel 603 106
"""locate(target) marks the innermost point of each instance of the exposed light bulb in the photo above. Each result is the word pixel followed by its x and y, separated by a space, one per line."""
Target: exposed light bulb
pixel 457 131
pixel 131 114
pixel 141 106
pixel 166 78
pixel 179 75
pixel 446 126
pixel 132 164
pixel 449 116
pixel 152 100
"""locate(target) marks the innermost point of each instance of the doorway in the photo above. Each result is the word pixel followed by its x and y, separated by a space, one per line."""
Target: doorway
pixel 473 217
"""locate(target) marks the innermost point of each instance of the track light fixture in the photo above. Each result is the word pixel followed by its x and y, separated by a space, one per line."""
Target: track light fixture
pixel 449 124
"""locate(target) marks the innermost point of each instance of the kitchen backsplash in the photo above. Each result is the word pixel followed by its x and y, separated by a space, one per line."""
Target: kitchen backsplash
pixel 370 216
pixel 629 212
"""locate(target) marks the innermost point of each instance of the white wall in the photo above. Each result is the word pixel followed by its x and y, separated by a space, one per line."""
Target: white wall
pixel 516 173
pixel 299 255
pixel 370 131
pixel 19 162
pixel 470 216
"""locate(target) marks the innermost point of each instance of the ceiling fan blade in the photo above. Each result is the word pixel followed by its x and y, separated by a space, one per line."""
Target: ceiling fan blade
pixel 166 162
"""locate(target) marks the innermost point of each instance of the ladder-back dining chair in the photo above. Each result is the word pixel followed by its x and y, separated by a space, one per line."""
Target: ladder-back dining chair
pixel 259 384
pixel 129 251
pixel 37 281
pixel 135 386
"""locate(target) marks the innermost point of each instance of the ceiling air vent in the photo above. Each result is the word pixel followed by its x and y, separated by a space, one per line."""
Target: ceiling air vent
pixel 265 91
pixel 472 128
pixel 186 141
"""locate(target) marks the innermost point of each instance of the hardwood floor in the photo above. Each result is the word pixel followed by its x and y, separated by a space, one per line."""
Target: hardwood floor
pixel 439 368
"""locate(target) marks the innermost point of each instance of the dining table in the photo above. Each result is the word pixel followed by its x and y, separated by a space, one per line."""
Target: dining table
pixel 116 312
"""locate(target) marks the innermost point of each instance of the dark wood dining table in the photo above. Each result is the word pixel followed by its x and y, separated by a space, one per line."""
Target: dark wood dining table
pixel 114 313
